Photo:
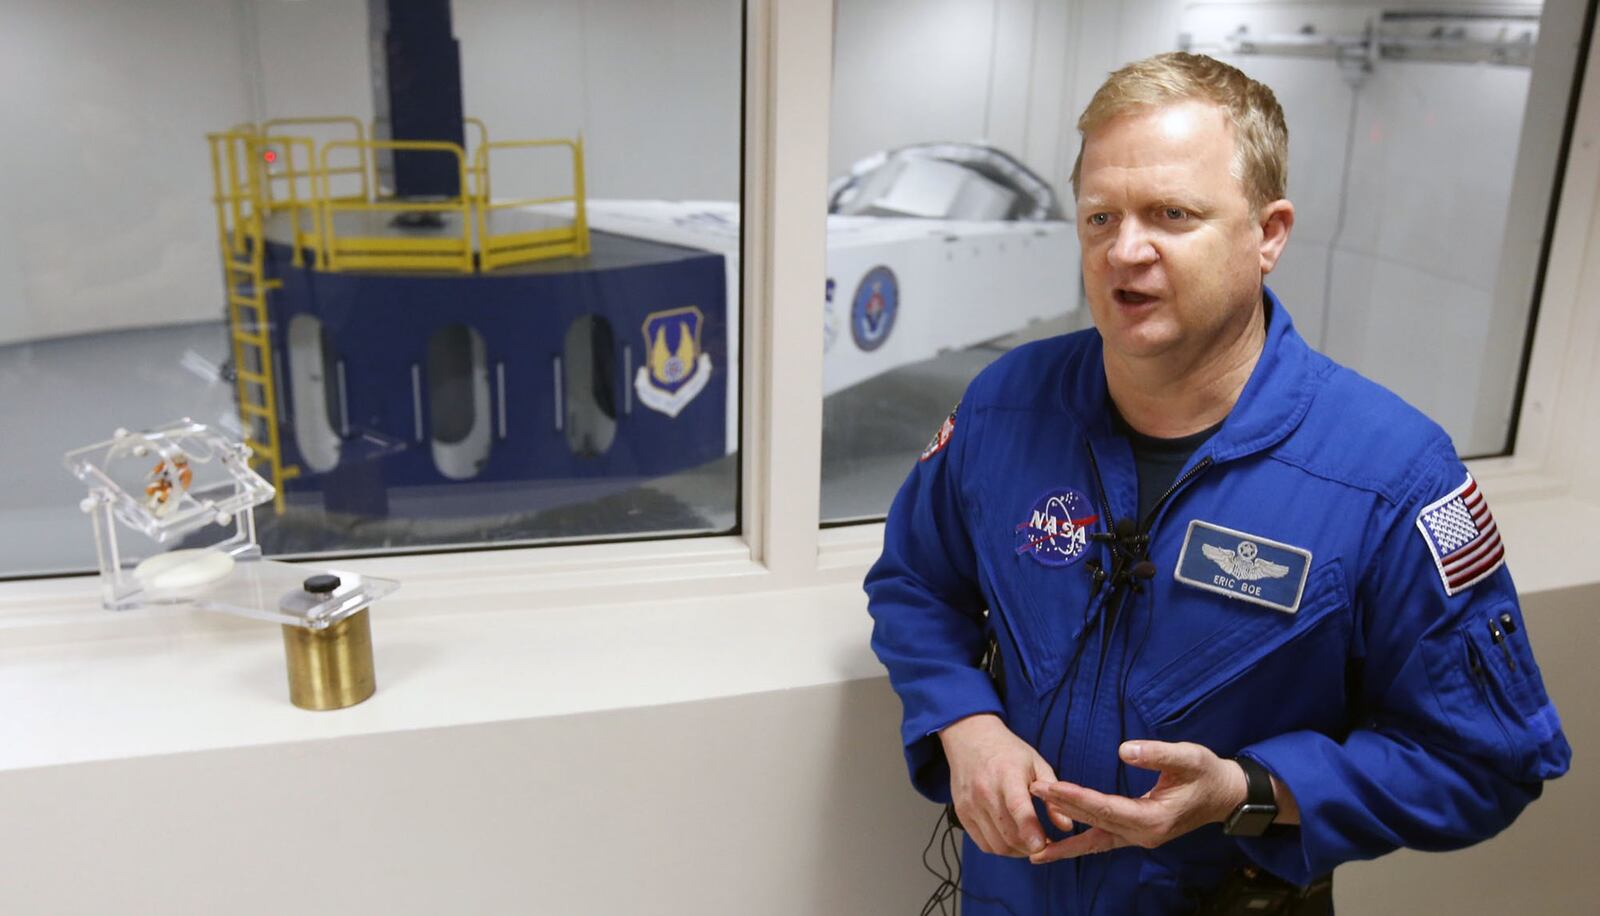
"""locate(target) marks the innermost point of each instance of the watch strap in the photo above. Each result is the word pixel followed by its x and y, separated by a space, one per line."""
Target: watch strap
pixel 1259 808
pixel 1258 783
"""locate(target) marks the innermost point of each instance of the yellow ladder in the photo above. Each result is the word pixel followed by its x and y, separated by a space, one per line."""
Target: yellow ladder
pixel 237 183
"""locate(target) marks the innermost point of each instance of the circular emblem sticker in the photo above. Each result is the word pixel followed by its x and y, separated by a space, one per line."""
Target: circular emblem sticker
pixel 1056 532
pixel 873 309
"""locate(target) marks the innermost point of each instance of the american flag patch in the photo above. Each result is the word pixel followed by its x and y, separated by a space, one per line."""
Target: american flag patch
pixel 1462 536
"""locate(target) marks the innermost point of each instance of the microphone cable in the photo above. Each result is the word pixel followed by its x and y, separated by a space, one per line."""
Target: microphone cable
pixel 949 887
pixel 947 896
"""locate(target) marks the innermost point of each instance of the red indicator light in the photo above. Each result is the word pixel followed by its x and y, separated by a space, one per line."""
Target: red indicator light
pixel 270 156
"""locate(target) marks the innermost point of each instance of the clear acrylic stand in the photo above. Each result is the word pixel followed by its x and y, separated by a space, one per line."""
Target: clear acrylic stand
pixel 179 479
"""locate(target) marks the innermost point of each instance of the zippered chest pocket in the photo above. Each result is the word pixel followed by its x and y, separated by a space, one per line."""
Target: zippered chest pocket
pixel 1270 673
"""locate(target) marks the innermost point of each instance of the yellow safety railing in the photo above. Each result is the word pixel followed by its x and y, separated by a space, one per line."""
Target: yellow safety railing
pixel 447 249
pixel 358 132
pixel 475 168
pixel 482 131
pixel 297 164
pixel 500 249
pixel 283 175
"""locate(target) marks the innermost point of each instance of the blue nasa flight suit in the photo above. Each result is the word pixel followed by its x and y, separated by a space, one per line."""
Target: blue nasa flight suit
pixel 1399 713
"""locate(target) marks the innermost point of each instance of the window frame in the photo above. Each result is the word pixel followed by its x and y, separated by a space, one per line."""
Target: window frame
pixel 782 546
pixel 1558 396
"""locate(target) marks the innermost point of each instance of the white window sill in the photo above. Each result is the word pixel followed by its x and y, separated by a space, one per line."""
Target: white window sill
pixel 475 638
pixel 225 686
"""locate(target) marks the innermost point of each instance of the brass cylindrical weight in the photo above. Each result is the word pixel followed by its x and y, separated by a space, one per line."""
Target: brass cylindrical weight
pixel 330 668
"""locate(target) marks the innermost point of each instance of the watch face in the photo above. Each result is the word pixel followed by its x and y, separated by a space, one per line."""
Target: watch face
pixel 1250 820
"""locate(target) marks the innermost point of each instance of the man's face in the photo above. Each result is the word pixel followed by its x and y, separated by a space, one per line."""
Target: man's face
pixel 1173 252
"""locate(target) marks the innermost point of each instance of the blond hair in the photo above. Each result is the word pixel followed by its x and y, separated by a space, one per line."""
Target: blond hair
pixel 1260 136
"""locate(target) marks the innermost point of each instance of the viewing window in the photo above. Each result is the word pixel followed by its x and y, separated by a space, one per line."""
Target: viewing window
pixel 364 246
pixel 1425 151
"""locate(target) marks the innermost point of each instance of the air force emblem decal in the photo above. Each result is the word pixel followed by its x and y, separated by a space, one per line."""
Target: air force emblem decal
pixel 676 369
pixel 1056 532
pixel 1243 566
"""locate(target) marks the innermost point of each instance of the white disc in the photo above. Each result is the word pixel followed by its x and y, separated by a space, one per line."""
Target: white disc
pixel 178 569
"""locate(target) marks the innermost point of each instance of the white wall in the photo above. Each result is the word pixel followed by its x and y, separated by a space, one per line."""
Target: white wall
pixel 1425 224
pixel 103 161
pixel 312 57
pixel 909 71
pixel 780 804
pixel 1013 73
pixel 652 85
pixel 1438 153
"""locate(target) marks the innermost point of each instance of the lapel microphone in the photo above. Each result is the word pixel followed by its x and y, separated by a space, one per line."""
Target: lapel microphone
pixel 1130 550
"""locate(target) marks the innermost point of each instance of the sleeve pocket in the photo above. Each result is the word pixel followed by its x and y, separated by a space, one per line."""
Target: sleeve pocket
pixel 1492 697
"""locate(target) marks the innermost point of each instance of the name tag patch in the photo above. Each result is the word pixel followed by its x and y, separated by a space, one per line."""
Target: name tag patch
pixel 1243 566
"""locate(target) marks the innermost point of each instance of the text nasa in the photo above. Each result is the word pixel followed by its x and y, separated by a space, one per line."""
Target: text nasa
pixel 1050 527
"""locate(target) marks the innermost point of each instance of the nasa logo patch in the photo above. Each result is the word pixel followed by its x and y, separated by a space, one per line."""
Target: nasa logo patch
pixel 1056 532
pixel 873 308
pixel 941 437
pixel 1243 566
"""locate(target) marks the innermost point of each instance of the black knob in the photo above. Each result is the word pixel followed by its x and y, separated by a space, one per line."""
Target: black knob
pixel 322 584
pixel 1144 569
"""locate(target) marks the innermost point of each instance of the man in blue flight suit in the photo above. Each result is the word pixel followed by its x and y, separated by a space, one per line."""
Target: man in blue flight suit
pixel 1213 605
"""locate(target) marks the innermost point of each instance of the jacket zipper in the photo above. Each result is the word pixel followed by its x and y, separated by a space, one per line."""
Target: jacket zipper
pixel 1100 486
pixel 1119 592
pixel 1155 510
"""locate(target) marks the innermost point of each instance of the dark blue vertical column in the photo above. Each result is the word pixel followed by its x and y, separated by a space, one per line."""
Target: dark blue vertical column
pixel 416 73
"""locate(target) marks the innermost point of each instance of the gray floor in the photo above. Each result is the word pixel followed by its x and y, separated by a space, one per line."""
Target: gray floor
pixel 62 394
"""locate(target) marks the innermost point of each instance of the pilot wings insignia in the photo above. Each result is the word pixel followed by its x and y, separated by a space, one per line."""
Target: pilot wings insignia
pixel 1253 568
pixel 1244 562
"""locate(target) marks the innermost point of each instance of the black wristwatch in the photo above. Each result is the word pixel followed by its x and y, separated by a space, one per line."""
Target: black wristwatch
pixel 1259 808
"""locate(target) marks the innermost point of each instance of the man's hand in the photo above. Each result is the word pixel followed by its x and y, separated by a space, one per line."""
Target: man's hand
pixel 990 772
pixel 1196 787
